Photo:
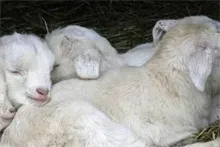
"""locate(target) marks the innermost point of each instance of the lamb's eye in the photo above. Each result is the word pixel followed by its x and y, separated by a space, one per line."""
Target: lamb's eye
pixel 56 65
pixel 14 71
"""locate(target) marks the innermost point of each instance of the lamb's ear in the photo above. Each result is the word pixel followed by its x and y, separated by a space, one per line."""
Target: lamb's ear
pixel 2 86
pixel 65 46
pixel 3 90
pixel 87 64
pixel 160 28
pixel 200 66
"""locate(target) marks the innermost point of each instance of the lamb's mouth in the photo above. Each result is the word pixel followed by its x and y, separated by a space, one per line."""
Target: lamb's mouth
pixel 39 101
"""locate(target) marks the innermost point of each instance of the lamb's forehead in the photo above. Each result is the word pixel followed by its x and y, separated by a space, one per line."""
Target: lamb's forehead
pixel 200 32
pixel 80 32
pixel 23 49
pixel 162 26
pixel 196 20
pixel 73 32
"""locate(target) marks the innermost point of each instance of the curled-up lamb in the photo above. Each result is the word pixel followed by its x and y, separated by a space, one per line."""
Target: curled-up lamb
pixel 25 66
pixel 159 101
pixel 81 52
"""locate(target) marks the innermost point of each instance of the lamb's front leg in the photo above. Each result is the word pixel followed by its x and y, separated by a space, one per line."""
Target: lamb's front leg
pixel 6 116
pixel 7 111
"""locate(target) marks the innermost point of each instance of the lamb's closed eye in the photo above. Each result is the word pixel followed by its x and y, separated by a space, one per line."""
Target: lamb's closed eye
pixel 56 65
pixel 16 72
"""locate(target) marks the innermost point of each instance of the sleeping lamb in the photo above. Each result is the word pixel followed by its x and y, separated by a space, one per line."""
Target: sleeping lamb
pixel 212 87
pixel 25 66
pixel 82 52
pixel 159 101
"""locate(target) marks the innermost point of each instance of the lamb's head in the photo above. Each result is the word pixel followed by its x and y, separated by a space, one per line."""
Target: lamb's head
pixel 27 63
pixel 196 69
pixel 78 52
pixel 194 46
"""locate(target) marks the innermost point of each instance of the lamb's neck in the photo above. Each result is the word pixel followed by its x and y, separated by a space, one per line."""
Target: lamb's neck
pixel 168 59
pixel 112 62
pixel 168 65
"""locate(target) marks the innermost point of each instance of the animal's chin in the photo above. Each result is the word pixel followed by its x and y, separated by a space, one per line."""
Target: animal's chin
pixel 38 102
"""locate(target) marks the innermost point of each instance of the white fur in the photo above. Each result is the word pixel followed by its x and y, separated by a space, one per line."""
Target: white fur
pixel 157 101
pixel 67 124
pixel 82 52
pixel 212 87
pixel 139 55
pixel 26 63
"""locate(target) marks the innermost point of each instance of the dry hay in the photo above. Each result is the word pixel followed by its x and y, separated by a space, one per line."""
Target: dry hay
pixel 124 23
pixel 207 134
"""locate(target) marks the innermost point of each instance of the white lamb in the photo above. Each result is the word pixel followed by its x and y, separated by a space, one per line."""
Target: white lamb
pixel 25 66
pixel 157 101
pixel 81 52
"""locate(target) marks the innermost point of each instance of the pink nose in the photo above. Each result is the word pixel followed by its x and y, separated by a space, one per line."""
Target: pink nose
pixel 42 91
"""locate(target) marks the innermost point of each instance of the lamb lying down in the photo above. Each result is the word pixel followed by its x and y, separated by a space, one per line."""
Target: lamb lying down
pixel 25 66
pixel 83 53
pixel 158 101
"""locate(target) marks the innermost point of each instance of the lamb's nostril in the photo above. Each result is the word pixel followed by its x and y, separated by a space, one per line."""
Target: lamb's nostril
pixel 42 91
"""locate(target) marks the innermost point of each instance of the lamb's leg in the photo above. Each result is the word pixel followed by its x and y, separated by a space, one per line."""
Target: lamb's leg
pixel 6 115
pixel 7 111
